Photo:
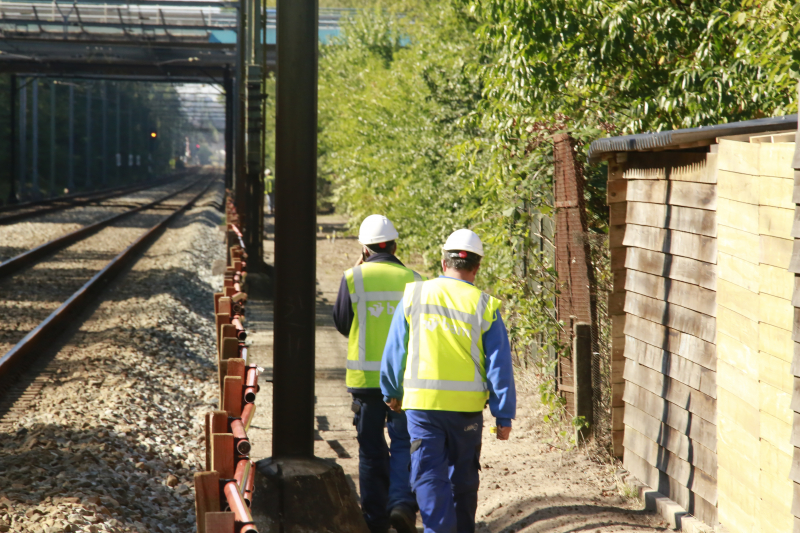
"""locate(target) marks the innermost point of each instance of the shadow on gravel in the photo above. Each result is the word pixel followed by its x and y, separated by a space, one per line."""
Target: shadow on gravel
pixel 7 252
pixel 208 218
pixel 559 517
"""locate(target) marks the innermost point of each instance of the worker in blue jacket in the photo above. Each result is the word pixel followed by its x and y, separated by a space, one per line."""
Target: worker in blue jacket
pixel 446 355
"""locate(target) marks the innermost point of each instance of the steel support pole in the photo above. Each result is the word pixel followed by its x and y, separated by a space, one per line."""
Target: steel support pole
pixel 35 192
pixel 12 139
pixel 51 190
pixel 254 185
pixel 295 230
pixel 23 136
pixel 104 110
pixel 229 127
pixel 130 139
pixel 118 157
pixel 239 142
pixel 71 163
pixel 88 135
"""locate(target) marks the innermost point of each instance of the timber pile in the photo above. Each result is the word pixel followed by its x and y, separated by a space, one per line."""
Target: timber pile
pixel 794 472
pixel 224 491
pixel 754 333
pixel 663 253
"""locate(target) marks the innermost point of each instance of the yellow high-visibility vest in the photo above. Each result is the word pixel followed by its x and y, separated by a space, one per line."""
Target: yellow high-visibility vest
pixel 446 362
pixel 375 291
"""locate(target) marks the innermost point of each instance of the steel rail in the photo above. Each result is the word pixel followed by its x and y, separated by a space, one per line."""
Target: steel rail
pixel 66 197
pixel 88 199
pixel 30 256
pixel 44 333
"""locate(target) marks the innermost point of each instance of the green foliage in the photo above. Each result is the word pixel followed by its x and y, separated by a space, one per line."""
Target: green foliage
pixel 440 115
pixel 399 135
pixel 625 67
pixel 388 122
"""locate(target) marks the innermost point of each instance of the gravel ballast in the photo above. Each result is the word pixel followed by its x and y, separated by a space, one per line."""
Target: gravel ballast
pixel 26 234
pixel 31 294
pixel 112 441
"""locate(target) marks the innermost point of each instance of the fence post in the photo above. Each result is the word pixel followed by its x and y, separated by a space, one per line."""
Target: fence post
pixel 576 302
pixel 582 358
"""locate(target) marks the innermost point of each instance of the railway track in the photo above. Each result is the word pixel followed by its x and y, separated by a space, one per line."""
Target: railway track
pixel 21 236
pixel 28 257
pixel 42 290
pixel 15 213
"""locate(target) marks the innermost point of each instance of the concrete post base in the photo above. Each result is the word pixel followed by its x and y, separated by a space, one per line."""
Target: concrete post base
pixel 304 496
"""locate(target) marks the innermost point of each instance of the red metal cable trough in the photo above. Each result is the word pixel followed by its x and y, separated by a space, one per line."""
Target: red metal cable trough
pixel 251 387
pixel 240 437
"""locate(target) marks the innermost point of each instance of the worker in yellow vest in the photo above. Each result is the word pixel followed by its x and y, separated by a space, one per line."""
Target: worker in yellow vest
pixel 368 299
pixel 446 356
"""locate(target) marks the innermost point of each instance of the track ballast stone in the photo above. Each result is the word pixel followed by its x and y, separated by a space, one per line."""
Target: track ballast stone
pixel 21 236
pixel 112 442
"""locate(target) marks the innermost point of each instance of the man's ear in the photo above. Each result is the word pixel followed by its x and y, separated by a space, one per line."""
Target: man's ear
pixel 365 251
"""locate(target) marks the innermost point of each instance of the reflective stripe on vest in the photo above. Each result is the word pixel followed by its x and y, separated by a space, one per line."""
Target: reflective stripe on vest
pixel 360 298
pixel 477 324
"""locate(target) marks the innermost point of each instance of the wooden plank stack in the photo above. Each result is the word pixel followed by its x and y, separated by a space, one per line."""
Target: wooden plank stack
pixel 664 253
pixel 754 334
pixel 223 492
pixel 794 267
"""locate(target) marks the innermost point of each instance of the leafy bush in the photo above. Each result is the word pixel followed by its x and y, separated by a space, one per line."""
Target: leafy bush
pixel 440 115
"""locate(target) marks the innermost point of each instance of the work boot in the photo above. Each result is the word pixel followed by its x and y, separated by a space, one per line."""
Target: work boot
pixel 403 520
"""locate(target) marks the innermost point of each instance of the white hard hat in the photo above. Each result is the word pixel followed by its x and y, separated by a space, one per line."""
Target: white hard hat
pixel 375 229
pixel 464 239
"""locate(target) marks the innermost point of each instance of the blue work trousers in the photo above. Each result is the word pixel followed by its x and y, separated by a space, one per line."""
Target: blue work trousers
pixel 382 470
pixel 445 468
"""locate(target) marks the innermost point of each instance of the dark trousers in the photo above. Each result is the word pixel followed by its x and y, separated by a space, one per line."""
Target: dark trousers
pixel 445 468
pixel 383 470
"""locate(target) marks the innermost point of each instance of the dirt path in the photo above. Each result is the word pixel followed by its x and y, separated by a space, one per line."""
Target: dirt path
pixel 526 485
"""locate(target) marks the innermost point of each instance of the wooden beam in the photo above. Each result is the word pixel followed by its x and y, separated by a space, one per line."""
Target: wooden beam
pixel 681 193
pixel 673 316
pixel 699 221
pixel 692 348
pixel 671 439
pixel 700 483
pixel 672 390
pixel 672 266
pixel 672 365
pixel 673 242
pixel 222 454
pixel 676 292
pixel 232 396
pixel 206 490
pixel 220 522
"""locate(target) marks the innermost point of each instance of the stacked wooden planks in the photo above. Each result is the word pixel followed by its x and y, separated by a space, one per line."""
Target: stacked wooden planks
pixel 754 334
pixel 794 267
pixel 663 254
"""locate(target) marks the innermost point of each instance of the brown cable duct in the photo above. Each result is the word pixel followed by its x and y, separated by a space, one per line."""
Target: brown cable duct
pixel 250 484
pixel 241 334
pixel 251 384
pixel 240 436
pixel 242 474
pixel 241 512
pixel 248 411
